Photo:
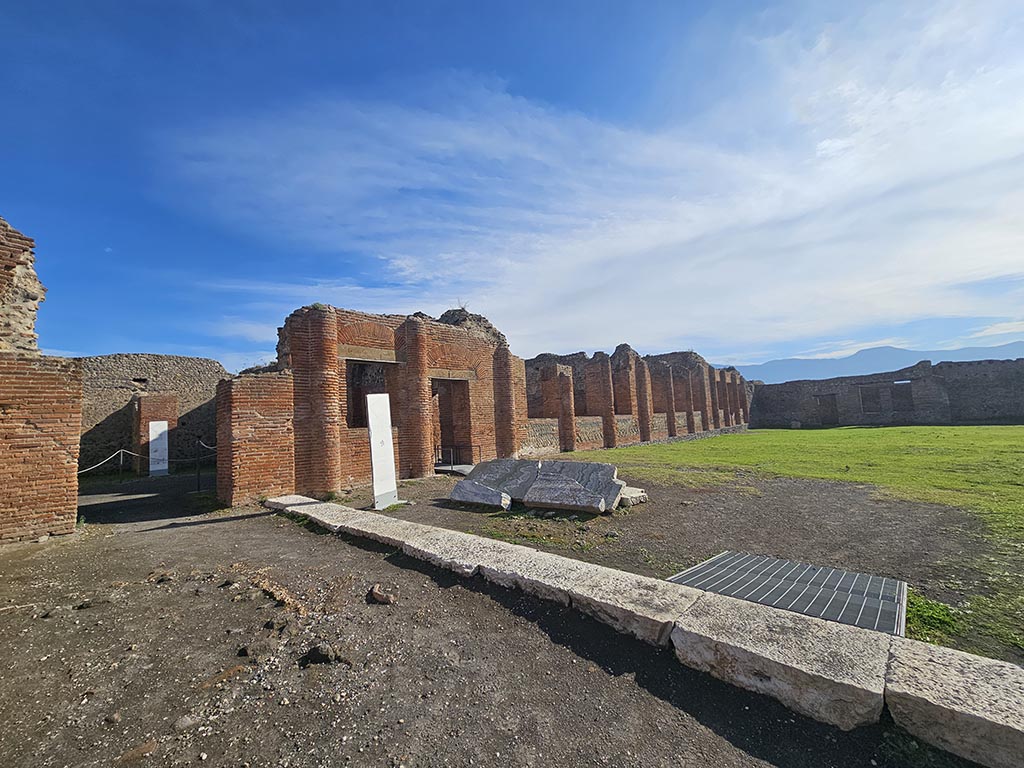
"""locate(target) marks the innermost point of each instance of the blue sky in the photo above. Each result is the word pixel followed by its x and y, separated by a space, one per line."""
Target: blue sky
pixel 753 181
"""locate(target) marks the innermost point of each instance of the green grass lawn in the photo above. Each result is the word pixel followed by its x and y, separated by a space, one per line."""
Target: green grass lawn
pixel 980 469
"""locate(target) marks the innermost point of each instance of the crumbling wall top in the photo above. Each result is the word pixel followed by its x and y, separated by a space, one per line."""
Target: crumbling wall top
pixel 20 292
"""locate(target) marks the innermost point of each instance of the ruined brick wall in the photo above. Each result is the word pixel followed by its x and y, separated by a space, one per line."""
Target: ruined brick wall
pixel 40 418
pixel 109 382
pixel 255 437
pixel 452 383
pixel 40 408
pixel 20 291
pixel 914 395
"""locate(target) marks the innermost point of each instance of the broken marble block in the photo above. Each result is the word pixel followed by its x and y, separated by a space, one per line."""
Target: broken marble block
pixel 632 496
pixel 511 476
pixel 559 492
pixel 471 492
pixel 595 477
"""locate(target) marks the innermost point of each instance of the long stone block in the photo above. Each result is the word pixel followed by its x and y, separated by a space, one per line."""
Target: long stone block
pixel 828 671
pixel 637 605
pixel 386 530
pixel 969 705
pixel 463 553
pixel 283 502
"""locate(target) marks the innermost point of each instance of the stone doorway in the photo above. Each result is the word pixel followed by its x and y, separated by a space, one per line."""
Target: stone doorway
pixel 828 410
pixel 453 423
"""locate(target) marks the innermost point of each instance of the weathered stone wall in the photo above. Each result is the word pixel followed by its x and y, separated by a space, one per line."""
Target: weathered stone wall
pixel 20 292
pixel 541 438
pixel 111 381
pixel 984 391
pixel 981 392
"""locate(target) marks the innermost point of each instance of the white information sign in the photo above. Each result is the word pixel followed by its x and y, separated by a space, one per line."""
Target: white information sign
pixel 157 448
pixel 382 451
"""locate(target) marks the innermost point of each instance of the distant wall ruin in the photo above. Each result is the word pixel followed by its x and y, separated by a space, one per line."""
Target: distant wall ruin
pixel 977 392
pixel 112 382
pixel 607 401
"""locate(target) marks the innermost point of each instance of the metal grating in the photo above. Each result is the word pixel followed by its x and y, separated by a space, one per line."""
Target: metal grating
pixel 872 602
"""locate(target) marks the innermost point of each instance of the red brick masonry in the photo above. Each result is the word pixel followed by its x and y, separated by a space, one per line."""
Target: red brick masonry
pixel 300 427
pixel 40 419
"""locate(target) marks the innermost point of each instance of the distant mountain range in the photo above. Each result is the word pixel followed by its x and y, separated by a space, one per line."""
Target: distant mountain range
pixel 872 360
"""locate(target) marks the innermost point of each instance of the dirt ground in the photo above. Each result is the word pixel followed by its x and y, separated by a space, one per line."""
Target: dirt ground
pixel 157 636
pixel 825 523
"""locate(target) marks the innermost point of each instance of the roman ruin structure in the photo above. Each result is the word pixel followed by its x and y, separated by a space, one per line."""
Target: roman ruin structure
pixel 976 392
pixel 457 394
pixel 123 392
pixel 40 407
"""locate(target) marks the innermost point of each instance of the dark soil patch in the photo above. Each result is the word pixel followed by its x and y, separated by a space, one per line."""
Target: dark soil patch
pixel 935 548
pixel 243 638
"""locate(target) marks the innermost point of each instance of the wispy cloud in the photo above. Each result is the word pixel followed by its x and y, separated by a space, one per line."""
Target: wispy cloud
pixel 835 349
pixel 1009 328
pixel 880 178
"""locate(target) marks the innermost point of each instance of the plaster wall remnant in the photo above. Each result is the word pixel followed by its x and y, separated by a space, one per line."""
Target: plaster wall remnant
pixel 457 393
pixel 975 392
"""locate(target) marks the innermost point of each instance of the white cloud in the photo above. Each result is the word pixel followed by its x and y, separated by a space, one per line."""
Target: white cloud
pixel 837 349
pixel 886 180
pixel 1008 328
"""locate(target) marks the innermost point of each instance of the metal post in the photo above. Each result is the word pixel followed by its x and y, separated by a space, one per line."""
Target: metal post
pixel 199 484
pixel 120 465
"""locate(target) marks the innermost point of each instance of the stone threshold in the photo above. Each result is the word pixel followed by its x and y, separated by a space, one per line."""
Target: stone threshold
pixel 834 673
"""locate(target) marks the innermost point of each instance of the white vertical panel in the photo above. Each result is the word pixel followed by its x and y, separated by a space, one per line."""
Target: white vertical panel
pixel 157 448
pixel 382 451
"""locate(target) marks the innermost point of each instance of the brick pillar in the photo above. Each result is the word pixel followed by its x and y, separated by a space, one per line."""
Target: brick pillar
pixel 725 399
pixel 317 401
pixel 550 392
pixel 509 402
pixel 416 437
pixel 601 397
pixel 713 402
pixel 255 437
pixel 663 394
pixel 643 400
pixel 624 387
pixel 566 411
pixel 700 386
pixel 147 407
pixel 741 384
pixel 683 390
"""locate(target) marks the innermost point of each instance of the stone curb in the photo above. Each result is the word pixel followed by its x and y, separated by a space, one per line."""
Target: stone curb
pixel 969 705
pixel 828 671
pixel 835 673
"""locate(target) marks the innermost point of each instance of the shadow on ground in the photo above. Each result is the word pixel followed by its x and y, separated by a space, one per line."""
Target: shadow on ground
pixel 107 501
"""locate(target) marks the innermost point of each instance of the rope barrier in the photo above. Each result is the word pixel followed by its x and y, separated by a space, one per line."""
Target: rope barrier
pixel 208 447
pixel 139 455
pixel 94 466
